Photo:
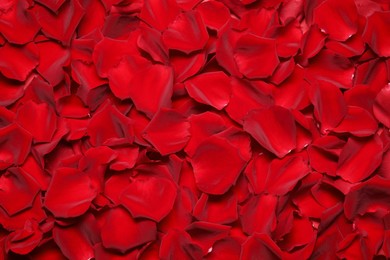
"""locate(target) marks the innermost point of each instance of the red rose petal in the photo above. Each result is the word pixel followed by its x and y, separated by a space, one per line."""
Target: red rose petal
pixel 312 42
pixel 359 159
pixel 17 63
pixel 381 106
pixel 250 50
pixel 70 193
pixel 159 14
pixel 18 24
pixel 15 144
pixel 20 185
pixel 214 14
pixel 167 131
pixel 226 161
pixel 38 119
pixel 142 197
pixel 23 241
pixel 329 116
pixel 358 122
pixel 178 245
pixel 343 24
pixel 186 33
pixel 52 5
pixel 121 232
pixel 273 128
pixel 212 88
pixel 227 248
pixel 260 244
pixel 373 34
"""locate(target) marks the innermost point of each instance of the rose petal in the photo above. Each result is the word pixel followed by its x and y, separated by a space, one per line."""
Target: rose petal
pixel 359 159
pixel 69 193
pixel 122 232
pixel 178 244
pixel 250 50
pixel 260 244
pixel 358 122
pixel 159 14
pixel 373 34
pixel 167 131
pixel 273 128
pixel 226 161
pixel 23 241
pixel 381 106
pixel 212 88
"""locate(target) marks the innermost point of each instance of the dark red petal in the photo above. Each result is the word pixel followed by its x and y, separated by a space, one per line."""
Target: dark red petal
pixel 167 131
pixel 38 119
pixel 255 56
pixel 227 248
pixel 108 126
pixel 150 40
pixel 121 232
pixel 212 88
pixel 302 233
pixel 159 14
pixel 17 184
pixel 359 159
pixel 382 106
pixel 52 5
pixel 62 26
pixel 17 24
pixel 260 245
pixel 224 48
pixel 247 96
pixel 372 73
pixel 186 66
pixel 283 71
pixel 178 245
pixel 15 144
pixel 273 128
pixel 329 105
pixel 288 38
pixel 70 193
pixel 358 122
pixel 143 195
pixel 369 196
pixel 186 33
pixel 258 214
pixel 126 158
pixel 18 62
pixel 312 42
pixel 217 165
pixel 374 35
pixel 209 208
pixel 343 23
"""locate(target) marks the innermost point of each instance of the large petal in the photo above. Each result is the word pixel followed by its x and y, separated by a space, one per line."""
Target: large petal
pixel 217 165
pixel 159 14
pixel 273 128
pixel 260 245
pixel 374 35
pixel 382 106
pixel 358 122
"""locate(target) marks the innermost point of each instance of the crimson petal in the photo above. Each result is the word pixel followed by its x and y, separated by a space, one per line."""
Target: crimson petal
pixel 375 36
pixel 273 128
pixel 358 122
pixel 260 245
pixel 381 106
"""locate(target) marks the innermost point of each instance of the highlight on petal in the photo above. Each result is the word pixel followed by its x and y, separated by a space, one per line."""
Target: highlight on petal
pixel 273 128
pixel 217 165
pixel 255 56
pixel 212 88
pixel 18 62
pixel 39 120
pixel 374 35
pixel 122 232
pixel 359 159
pixel 168 131
pixel 70 193
pixel 343 24
pixel 382 106
pixel 186 33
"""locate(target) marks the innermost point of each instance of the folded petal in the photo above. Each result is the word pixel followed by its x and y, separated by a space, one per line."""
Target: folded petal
pixel 359 159
pixel 260 245
pixel 217 165
pixel 358 122
pixel 273 128
pixel 168 131
pixel 23 241
pixel 69 193
pixel 159 14
pixel 212 88
pixel 122 232
pixel 255 56
pixel 187 33
pixel 177 244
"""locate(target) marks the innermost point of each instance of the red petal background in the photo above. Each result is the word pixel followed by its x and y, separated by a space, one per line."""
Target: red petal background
pixel 194 129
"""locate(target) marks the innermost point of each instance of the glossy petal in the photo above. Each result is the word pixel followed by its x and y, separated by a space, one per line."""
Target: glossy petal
pixel 381 106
